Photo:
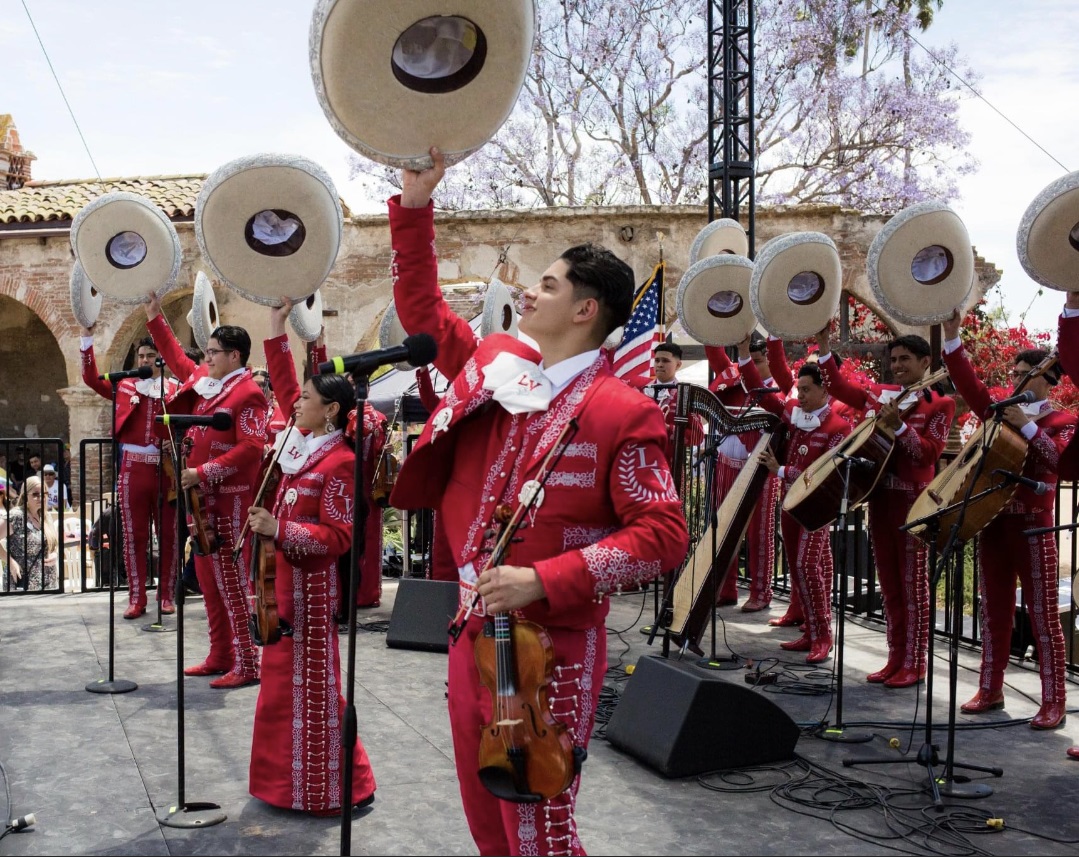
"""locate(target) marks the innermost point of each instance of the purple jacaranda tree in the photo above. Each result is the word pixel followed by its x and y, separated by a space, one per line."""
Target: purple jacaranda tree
pixel 614 110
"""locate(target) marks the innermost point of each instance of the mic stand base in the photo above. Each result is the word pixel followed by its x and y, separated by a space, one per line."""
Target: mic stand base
pixel 157 628
pixel 840 735
pixel 927 757
pixel 966 791
pixel 716 663
pixel 192 814
pixel 120 685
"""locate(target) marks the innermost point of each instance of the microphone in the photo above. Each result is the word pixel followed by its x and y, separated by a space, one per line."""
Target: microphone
pixel 1027 397
pixel 1038 488
pixel 114 377
pixel 758 391
pixel 218 421
pixel 856 461
pixel 417 350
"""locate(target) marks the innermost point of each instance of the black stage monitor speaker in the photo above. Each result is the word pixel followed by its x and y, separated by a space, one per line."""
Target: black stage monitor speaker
pixel 422 612
pixel 682 721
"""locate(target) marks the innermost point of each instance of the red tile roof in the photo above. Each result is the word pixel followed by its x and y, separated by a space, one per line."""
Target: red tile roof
pixel 42 202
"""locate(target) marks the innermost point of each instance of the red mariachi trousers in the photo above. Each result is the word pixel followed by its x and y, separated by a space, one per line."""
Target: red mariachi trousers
pixel 225 588
pixel 760 535
pixel 809 555
pixel 140 493
pixel 502 827
pixel 443 566
pixel 369 591
pixel 1005 553
pixel 903 576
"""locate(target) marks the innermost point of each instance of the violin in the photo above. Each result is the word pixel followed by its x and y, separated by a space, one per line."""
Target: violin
pixel 170 475
pixel 525 755
pixel 205 538
pixel 267 627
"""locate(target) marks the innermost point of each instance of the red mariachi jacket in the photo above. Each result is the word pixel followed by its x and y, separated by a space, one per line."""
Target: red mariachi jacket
pixel 1068 349
pixel 134 412
pixel 913 464
pixel 226 459
pixel 609 515
pixel 1055 430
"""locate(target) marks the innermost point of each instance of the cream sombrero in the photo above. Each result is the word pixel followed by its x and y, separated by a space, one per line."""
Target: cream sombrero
pixel 796 284
pixel 395 79
pixel 203 315
pixel 921 264
pixel 719 237
pixel 85 299
pixel 126 246
pixel 713 300
pixel 391 333
pixel 499 313
pixel 269 226
pixel 306 317
pixel 1048 238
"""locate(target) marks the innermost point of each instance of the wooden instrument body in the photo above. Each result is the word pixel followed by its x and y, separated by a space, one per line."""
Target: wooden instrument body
pixel 1003 448
pixel 170 476
pixel 525 755
pixel 814 498
pixel 205 538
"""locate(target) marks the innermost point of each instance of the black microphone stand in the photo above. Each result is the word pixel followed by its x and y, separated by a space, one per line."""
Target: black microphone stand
pixel 838 733
pixel 928 753
pixel 158 626
pixel 361 380
pixel 112 684
pixel 183 813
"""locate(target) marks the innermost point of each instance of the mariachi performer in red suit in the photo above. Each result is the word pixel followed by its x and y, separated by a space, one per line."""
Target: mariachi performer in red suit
pixel 814 428
pixel 1068 349
pixel 1003 550
pixel 375 428
pixel 296 752
pixel 732 390
pixel 442 566
pixel 223 466
pixel 138 401
pixel 901 559
pixel 667 360
pixel 607 518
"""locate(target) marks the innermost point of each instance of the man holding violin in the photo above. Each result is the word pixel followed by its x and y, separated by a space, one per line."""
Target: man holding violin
pixel 1003 550
pixel 606 517
pixel 138 401
pixel 221 468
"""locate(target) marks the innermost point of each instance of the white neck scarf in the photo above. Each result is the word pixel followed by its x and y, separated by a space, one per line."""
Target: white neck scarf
pixel 805 421
pixel 518 385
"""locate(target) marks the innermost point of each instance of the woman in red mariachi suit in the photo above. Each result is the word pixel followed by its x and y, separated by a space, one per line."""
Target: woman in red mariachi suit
pixel 1003 549
pixel 814 430
pixel 296 745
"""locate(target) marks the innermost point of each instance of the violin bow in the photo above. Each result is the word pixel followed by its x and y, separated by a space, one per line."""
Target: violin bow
pixel 239 546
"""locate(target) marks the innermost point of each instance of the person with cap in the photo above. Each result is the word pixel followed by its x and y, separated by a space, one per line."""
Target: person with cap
pixel 296 741
pixel 138 401
pixel 814 429
pixel 222 466
pixel 732 390
pixel 1004 550
pixel 920 424
pixel 607 516
pixel 54 490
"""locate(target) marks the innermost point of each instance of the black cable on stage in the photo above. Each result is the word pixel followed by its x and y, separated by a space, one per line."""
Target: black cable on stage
pixel 375 626
pixel 12 825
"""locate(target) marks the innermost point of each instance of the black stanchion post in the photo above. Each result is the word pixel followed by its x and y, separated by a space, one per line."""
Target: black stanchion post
pixel 112 684
pixel 158 626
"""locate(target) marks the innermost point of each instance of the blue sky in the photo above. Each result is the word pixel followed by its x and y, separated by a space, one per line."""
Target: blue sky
pixel 162 89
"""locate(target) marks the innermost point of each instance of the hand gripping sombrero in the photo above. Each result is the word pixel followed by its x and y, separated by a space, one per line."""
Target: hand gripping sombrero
pixel 85 299
pixel 921 264
pixel 269 226
pixel 719 237
pixel 796 284
pixel 1048 238
pixel 126 247
pixel 499 313
pixel 306 317
pixel 203 316
pixel 391 333
pixel 713 300
pixel 395 79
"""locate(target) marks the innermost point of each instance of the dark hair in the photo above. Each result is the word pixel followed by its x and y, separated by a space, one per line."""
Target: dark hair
pixel 812 370
pixel 915 344
pixel 336 388
pixel 597 273
pixel 230 337
pixel 672 348
pixel 1033 356
pixel 757 342
pixel 258 370
pixel 146 342
pixel 193 354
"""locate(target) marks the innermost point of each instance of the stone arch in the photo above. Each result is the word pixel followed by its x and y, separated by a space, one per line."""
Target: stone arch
pixel 33 370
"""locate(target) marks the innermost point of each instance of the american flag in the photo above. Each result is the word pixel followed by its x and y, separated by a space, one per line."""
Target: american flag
pixel 632 360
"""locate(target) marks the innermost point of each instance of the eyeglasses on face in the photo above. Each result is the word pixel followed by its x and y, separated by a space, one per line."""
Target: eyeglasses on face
pixel 34 493
pixel 211 352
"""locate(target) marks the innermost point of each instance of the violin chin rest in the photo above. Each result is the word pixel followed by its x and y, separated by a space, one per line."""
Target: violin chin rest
pixel 501 783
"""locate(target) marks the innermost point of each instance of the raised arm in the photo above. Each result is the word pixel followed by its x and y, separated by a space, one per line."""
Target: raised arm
pixel 771 402
pixel 89 366
pixel 834 381
pixel 279 362
pixel 170 350
pixel 778 366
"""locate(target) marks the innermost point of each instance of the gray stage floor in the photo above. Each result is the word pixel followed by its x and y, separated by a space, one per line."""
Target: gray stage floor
pixel 97 769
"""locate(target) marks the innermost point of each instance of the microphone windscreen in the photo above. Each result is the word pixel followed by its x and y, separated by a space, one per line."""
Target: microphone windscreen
pixel 221 421
pixel 422 349
pixel 146 371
